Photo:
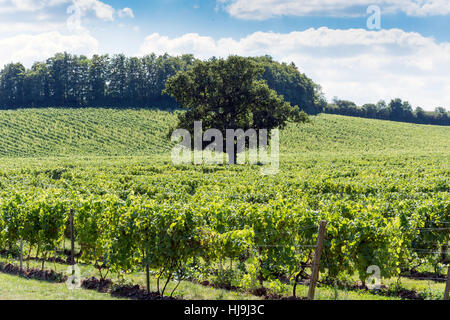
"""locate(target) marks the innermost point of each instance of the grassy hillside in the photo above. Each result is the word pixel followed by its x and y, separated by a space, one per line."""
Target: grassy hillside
pixel 362 176
pixel 64 132
pixel 340 133
pixel 110 132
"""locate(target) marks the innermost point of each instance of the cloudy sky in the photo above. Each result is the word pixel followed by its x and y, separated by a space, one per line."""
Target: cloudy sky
pixel 329 40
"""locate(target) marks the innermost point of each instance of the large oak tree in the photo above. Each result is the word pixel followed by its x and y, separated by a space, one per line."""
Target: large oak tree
pixel 229 94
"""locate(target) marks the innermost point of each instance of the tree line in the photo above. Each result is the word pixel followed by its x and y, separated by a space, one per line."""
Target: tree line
pixel 67 80
pixel 396 110
pixel 118 81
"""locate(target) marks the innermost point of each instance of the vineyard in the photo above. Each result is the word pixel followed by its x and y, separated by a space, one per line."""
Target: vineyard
pixel 382 187
pixel 72 132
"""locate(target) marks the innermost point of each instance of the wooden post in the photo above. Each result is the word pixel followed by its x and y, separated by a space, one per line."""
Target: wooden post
pixel 147 275
pixel 72 240
pixel 54 260
pixel 21 254
pixel 447 286
pixel 316 263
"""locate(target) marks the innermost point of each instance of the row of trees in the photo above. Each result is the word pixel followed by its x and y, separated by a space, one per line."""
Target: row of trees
pixel 67 80
pixel 396 110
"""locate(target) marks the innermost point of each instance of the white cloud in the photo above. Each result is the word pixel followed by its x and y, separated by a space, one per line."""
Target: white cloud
pixel 103 11
pixel 356 64
pixel 265 9
pixel 76 9
pixel 11 6
pixel 31 48
pixel 126 12
pixel 79 7
pixel 44 33
pixel 29 27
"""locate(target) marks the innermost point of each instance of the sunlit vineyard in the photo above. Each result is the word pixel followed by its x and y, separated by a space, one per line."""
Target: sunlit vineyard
pixel 382 186
pixel 71 132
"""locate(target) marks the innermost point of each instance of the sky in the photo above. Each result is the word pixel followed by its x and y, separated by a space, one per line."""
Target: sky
pixel 358 50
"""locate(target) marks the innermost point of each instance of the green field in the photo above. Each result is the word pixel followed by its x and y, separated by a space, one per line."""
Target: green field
pixel 382 186
pixel 73 132
pixel 116 132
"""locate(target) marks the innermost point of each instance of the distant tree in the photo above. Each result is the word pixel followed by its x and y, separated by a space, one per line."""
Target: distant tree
pixel 117 77
pixel 79 81
pixel 347 108
pixel 37 86
pixel 167 67
pixel 383 111
pixel 228 94
pixel 59 73
pixel 441 116
pixel 400 111
pixel 12 80
pixel 98 77
pixel 420 115
pixel 135 82
pixel 344 103
pixel 396 109
pixel 320 100
pixel 370 110
pixel 440 110
pixel 294 86
pixel 381 105
pixel 407 112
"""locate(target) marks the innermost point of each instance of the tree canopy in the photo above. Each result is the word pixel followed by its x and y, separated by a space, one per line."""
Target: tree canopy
pixel 229 94
pixel 396 110
pixel 118 81
pixel 295 86
pixel 226 94
pixel 67 80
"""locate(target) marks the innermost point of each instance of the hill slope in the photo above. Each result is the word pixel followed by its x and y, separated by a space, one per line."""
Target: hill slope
pixel 111 132
pixel 342 133
pixel 63 132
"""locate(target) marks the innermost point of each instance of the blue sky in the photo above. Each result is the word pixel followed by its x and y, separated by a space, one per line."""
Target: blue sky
pixel 408 57
pixel 176 17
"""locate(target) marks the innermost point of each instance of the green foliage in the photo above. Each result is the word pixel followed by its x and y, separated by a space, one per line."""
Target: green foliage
pixel 295 87
pixel 226 94
pixel 383 188
pixel 63 132
pixel 67 80
pixel 397 110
